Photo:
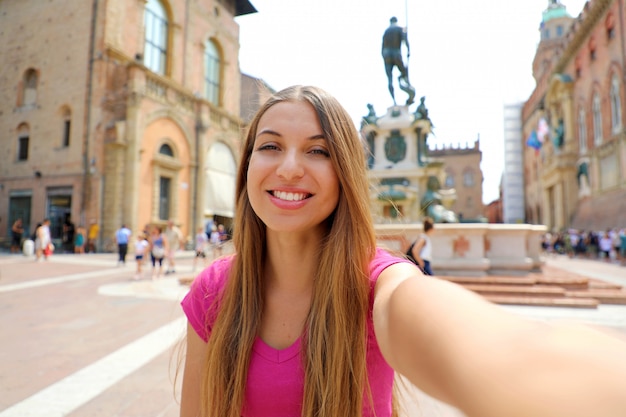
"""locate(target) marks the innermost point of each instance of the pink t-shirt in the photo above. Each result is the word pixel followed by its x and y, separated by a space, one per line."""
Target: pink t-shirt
pixel 275 384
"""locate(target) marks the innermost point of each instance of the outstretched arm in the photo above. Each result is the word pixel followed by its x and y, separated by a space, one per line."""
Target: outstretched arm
pixel 196 352
pixel 487 362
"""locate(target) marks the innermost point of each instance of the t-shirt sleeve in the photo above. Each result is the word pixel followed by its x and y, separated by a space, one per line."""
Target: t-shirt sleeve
pixel 381 261
pixel 201 302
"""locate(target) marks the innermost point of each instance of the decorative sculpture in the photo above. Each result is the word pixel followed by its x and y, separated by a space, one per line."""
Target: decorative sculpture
pixel 393 38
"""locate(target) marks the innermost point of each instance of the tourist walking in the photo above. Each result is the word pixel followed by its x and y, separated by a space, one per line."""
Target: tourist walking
pixel 141 249
pixel 175 241
pixel 43 241
pixel 158 249
pixel 200 247
pixel 17 230
pixel 421 250
pixel 122 237
pixel 80 240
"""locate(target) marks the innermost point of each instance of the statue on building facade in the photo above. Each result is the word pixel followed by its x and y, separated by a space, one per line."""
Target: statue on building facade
pixel 393 38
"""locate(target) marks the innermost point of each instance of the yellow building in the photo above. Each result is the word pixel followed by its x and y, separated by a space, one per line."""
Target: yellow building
pixel 119 112
pixel 575 174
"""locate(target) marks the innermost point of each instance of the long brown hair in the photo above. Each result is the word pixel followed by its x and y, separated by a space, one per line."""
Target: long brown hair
pixel 334 343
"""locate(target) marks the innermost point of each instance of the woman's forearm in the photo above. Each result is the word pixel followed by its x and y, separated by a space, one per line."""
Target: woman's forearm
pixel 463 350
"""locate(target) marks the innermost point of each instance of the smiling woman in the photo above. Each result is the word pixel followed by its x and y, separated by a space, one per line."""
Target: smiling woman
pixel 309 318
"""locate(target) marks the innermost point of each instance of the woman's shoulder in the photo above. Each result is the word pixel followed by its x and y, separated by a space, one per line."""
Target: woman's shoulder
pixel 213 277
pixel 384 258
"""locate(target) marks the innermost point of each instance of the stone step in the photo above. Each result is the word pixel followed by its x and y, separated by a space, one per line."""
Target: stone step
pixel 544 301
pixel 533 291
pixel 603 296
pixel 491 280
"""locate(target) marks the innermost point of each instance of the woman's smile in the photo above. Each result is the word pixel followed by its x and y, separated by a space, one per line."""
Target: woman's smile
pixel 292 183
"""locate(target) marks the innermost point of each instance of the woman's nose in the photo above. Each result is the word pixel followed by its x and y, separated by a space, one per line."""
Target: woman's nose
pixel 290 166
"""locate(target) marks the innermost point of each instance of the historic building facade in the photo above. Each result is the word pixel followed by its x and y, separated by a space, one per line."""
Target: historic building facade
pixel 463 173
pixel 119 111
pixel 573 123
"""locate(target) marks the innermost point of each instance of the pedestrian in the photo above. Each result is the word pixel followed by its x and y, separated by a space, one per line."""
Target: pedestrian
pixel 68 233
pixel 141 248
pixel 92 236
pixel 122 237
pixel 200 247
pixel 216 242
pixel 605 244
pixel 310 318
pixel 421 250
pixel 80 240
pixel 43 241
pixel 158 250
pixel 175 241
pixel 17 230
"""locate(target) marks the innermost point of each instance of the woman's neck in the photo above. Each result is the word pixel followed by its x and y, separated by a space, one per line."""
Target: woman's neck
pixel 292 260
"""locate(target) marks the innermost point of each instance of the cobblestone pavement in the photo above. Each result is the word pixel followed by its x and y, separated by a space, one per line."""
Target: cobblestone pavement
pixel 81 337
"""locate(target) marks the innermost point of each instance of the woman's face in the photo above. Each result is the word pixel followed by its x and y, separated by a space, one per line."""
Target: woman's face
pixel 291 182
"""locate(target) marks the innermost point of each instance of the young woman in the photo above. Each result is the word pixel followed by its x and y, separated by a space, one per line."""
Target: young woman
pixel 420 252
pixel 309 318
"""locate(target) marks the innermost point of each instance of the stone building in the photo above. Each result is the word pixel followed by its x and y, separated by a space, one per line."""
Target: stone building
pixel 573 122
pixel 463 173
pixel 118 111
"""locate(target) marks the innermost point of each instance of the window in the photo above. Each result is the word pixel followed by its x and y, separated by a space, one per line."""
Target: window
pixel 212 69
pixel 165 185
pixel 559 31
pixel 67 124
pixel 155 50
pixel 582 132
pixel 597 120
pixel 468 178
pixel 449 183
pixel 30 88
pixel 23 138
pixel 166 149
pixel 616 107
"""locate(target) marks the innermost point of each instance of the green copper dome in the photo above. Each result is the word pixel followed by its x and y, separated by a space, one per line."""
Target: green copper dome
pixel 554 11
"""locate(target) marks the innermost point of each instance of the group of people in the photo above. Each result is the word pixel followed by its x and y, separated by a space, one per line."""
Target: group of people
pixel 73 239
pixel 607 245
pixel 309 317
pixel 153 242
pixel 212 237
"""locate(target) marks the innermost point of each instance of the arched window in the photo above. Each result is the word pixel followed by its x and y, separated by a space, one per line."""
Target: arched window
pixel 449 183
pixel 30 88
pixel 582 132
pixel 155 50
pixel 166 149
pixel 23 139
pixel 616 106
pixel 597 120
pixel 468 178
pixel 212 72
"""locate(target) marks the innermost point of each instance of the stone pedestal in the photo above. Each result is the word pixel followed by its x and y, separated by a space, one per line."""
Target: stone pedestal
pixel 398 163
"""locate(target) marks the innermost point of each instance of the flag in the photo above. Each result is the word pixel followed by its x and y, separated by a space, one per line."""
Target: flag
pixel 542 130
pixel 533 141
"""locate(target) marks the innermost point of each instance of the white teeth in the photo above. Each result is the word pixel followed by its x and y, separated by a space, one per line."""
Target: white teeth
pixel 289 196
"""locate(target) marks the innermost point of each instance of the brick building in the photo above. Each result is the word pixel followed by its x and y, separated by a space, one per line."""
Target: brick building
pixel 573 122
pixel 119 111
pixel 463 173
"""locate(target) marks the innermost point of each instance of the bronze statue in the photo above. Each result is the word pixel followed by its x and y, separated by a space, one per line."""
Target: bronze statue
pixel 393 38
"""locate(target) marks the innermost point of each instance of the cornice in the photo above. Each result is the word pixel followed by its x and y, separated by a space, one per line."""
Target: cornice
pixel 591 18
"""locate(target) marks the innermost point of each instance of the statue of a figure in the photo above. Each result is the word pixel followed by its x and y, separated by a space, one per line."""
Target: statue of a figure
pixel 559 135
pixel 421 113
pixel 432 203
pixel 371 117
pixel 393 38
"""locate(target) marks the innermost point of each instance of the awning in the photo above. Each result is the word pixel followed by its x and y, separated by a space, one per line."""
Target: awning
pixel 220 172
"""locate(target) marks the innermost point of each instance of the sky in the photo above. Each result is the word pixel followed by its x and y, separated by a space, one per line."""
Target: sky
pixel 468 58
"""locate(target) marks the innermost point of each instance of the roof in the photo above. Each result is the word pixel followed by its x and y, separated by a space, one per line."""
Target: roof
pixel 244 7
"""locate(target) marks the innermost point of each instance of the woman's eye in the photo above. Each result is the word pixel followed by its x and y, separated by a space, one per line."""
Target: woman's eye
pixel 267 147
pixel 320 151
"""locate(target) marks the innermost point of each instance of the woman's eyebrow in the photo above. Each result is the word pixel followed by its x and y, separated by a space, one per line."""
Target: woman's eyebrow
pixel 268 132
